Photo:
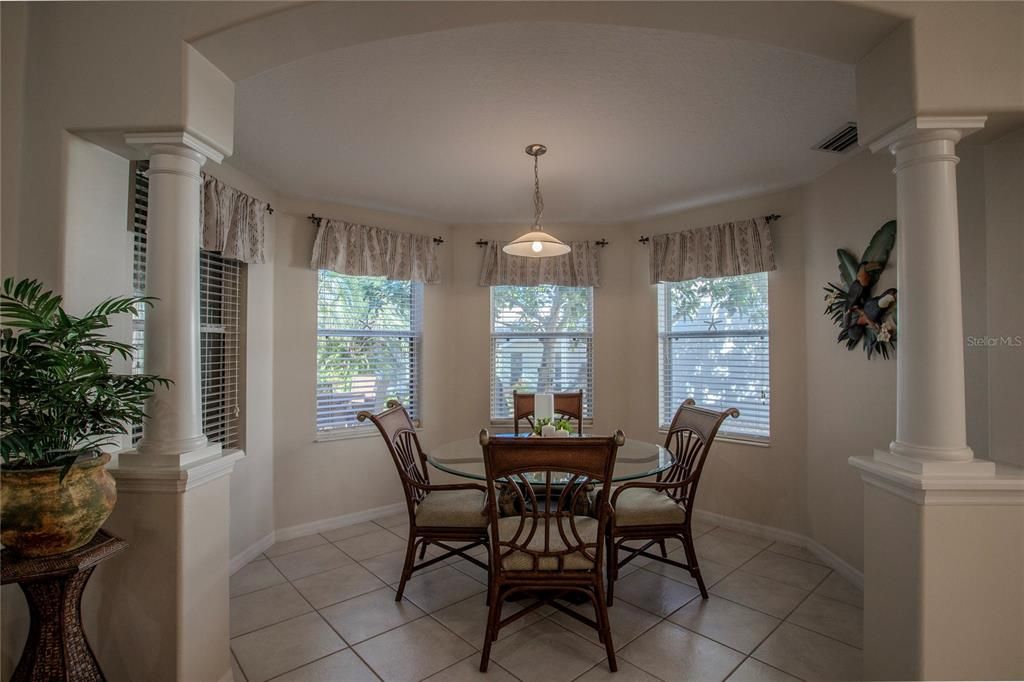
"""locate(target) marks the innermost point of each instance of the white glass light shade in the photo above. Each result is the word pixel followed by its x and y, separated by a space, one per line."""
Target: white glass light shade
pixel 537 244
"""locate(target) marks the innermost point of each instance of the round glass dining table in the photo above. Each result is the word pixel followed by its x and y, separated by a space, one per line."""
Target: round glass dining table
pixel 635 459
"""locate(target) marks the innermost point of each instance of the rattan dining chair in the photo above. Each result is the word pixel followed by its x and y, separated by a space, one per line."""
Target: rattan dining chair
pixel 438 514
pixel 567 405
pixel 546 550
pixel 661 510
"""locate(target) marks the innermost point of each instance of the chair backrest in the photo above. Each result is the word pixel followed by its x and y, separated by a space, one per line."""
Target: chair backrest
pixel 568 405
pixel 689 438
pixel 400 436
pixel 546 525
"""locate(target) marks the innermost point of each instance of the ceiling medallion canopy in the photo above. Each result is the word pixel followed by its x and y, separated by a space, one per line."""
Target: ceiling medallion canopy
pixel 537 243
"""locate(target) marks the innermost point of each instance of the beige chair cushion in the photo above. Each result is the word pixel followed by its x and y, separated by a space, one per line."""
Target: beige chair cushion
pixel 586 527
pixel 647 507
pixel 453 508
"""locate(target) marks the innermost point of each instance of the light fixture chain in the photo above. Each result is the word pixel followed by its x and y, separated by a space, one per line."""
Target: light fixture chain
pixel 538 198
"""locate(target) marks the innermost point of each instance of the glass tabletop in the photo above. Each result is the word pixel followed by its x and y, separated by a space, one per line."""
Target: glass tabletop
pixel 635 459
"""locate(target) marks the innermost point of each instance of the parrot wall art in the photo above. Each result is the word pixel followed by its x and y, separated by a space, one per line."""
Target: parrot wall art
pixel 863 317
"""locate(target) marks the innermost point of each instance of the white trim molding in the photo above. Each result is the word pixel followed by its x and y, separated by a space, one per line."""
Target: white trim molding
pixel 172 479
pixel 830 558
pixel 996 485
pixel 925 125
pixel 175 138
pixel 302 529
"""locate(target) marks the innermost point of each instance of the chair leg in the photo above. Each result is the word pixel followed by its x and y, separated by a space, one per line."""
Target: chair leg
pixel 691 558
pixel 493 617
pixel 423 550
pixel 410 554
pixel 601 610
pixel 613 568
pixel 664 551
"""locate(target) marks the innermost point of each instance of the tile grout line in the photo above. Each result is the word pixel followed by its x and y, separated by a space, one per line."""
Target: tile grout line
pixel 734 570
pixel 548 617
pixel 783 621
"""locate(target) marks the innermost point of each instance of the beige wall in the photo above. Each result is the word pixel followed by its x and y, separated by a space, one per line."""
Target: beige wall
pixel 851 401
pixel 949 58
pixel 828 403
pixel 252 481
pixel 764 485
pixel 317 481
pixel 1004 216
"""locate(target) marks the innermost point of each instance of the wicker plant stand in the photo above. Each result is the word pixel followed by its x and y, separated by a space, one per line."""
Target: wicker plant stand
pixel 56 648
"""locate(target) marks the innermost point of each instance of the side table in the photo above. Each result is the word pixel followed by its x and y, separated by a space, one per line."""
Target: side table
pixel 56 648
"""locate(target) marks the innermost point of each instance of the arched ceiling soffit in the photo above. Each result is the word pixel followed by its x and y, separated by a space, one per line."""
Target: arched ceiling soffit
pixel 837 31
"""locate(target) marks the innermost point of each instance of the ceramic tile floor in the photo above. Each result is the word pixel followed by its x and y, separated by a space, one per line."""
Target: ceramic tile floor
pixel 322 608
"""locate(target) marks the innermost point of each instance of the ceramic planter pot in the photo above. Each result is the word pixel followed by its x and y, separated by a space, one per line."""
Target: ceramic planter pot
pixel 41 516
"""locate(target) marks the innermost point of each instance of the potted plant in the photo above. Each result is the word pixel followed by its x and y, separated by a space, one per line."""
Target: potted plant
pixel 60 404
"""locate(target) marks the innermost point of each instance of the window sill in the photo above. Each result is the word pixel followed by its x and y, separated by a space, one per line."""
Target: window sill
pixel 737 440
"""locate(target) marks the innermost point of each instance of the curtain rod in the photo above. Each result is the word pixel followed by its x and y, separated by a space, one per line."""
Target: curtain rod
pixel 599 242
pixel 317 220
pixel 768 219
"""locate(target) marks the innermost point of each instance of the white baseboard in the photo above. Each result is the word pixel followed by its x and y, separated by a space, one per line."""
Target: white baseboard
pixel 831 559
pixel 251 552
pixel 291 532
pixel 760 530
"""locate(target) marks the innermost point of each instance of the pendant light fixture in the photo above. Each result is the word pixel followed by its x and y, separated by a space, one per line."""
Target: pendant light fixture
pixel 537 243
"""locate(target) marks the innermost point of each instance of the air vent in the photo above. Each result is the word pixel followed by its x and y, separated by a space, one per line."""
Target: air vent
pixel 840 140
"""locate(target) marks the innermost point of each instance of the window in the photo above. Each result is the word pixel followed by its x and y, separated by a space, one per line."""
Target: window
pixel 367 347
pixel 541 342
pixel 221 295
pixel 713 343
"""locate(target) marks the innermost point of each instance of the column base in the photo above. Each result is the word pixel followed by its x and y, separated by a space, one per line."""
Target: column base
pixel 931 454
pixel 187 449
pixel 197 465
pixel 902 459
pixel 943 556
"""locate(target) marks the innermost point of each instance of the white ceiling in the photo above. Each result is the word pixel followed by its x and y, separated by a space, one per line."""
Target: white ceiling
pixel 637 121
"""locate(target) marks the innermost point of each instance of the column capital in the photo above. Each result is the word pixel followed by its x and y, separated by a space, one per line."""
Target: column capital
pixel 925 128
pixel 171 140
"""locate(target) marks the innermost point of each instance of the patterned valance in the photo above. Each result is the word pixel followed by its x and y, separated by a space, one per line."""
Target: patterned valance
pixel 728 249
pixel 352 249
pixel 234 223
pixel 578 268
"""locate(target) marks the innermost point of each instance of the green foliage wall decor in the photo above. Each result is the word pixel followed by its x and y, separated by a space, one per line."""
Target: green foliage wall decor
pixel 861 316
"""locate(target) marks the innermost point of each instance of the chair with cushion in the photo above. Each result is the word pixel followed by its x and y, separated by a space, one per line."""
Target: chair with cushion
pixel 656 511
pixel 546 550
pixel 438 514
pixel 567 405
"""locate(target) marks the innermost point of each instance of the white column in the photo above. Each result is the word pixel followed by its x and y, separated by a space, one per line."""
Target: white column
pixel 165 603
pixel 942 551
pixel 931 423
pixel 173 429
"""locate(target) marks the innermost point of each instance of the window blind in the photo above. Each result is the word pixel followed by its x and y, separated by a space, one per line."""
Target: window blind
pixel 221 296
pixel 139 192
pixel 713 343
pixel 367 348
pixel 541 342
pixel 221 293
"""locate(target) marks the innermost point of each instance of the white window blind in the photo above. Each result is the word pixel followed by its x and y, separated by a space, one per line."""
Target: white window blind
pixel 221 292
pixel 221 296
pixel 367 347
pixel 713 342
pixel 541 342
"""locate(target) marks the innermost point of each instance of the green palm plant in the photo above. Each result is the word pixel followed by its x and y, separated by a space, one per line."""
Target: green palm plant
pixel 58 396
